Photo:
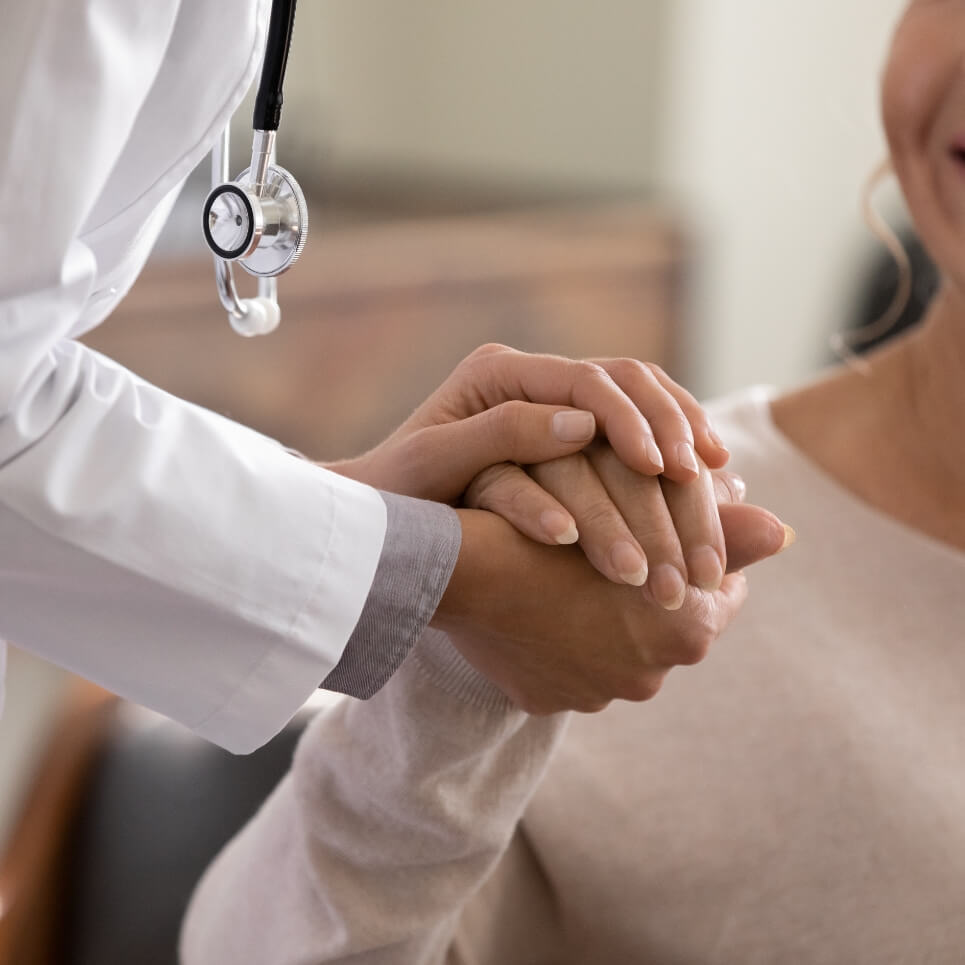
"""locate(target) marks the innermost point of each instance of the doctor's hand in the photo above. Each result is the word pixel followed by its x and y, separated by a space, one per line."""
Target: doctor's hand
pixel 553 634
pixel 500 405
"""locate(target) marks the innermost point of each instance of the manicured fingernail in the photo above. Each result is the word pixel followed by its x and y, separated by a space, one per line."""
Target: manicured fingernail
pixel 628 561
pixel 716 440
pixel 789 537
pixel 668 587
pixel 574 426
pixel 687 457
pixel 704 569
pixel 653 454
pixel 558 527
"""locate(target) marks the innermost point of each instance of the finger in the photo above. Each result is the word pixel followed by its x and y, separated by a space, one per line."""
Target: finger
pixel 728 600
pixel 498 374
pixel 511 432
pixel 689 635
pixel 693 508
pixel 506 490
pixel 729 487
pixel 710 447
pixel 640 501
pixel 605 537
pixel 752 534
pixel 670 425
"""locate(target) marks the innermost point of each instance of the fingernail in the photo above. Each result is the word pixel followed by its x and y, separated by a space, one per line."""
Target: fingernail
pixel 668 587
pixel 574 426
pixel 740 488
pixel 654 454
pixel 704 569
pixel 716 440
pixel 789 537
pixel 628 561
pixel 558 527
pixel 687 457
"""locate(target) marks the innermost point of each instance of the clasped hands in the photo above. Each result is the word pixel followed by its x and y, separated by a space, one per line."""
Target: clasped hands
pixel 616 456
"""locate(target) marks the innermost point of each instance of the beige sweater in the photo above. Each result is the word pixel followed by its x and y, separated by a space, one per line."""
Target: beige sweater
pixel 797 798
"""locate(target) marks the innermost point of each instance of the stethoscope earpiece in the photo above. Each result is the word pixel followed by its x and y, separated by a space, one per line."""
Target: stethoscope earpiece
pixel 261 316
pixel 259 220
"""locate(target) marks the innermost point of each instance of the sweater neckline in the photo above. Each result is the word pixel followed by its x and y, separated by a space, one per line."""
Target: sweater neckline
pixel 822 485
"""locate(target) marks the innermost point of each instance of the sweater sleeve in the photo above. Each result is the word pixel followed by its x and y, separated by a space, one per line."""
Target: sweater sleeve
pixel 393 815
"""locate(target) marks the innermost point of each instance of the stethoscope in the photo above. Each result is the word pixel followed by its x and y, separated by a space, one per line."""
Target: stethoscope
pixel 259 220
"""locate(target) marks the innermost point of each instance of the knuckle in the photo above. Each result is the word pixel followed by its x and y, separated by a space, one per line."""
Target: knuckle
pixel 656 370
pixel 692 646
pixel 508 418
pixel 591 705
pixel 571 471
pixel 485 351
pixel 644 687
pixel 499 424
pixel 599 513
pixel 629 370
pixel 591 372
pixel 728 487
pixel 493 487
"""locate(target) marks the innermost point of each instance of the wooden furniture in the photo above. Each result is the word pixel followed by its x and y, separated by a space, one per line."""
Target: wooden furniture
pixel 32 869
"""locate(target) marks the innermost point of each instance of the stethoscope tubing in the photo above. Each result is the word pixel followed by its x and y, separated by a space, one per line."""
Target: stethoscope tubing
pixel 268 101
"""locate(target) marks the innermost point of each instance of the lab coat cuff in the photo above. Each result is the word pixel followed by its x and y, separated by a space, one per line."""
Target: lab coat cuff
pixel 419 553
pixel 289 671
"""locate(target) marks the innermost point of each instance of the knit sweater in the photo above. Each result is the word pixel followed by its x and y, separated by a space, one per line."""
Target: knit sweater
pixel 798 797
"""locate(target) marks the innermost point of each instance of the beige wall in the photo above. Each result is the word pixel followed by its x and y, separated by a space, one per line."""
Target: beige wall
pixel 768 128
pixel 758 117
pixel 550 91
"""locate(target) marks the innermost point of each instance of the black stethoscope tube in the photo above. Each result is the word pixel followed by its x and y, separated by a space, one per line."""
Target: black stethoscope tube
pixel 269 99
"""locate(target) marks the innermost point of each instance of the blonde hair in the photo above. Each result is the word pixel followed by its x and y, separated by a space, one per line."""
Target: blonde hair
pixel 845 343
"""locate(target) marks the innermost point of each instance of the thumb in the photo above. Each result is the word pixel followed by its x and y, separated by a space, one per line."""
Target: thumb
pixel 520 432
pixel 751 534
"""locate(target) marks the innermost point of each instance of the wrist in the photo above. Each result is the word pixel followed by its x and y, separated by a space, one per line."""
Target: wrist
pixel 474 587
pixel 349 468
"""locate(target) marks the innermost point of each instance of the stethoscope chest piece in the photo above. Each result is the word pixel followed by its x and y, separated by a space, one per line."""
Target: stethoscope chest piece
pixel 263 230
pixel 259 220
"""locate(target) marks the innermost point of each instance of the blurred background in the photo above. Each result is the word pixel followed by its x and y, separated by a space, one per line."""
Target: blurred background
pixel 672 179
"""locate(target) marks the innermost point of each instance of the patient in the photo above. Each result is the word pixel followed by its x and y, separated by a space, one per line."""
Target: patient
pixel 797 797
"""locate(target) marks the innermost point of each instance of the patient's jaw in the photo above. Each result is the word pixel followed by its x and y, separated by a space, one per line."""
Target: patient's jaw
pixel 923 109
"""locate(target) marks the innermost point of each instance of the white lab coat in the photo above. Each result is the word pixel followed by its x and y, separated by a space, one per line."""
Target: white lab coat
pixel 175 557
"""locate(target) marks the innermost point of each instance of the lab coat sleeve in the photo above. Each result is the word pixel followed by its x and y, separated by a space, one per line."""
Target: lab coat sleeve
pixel 177 558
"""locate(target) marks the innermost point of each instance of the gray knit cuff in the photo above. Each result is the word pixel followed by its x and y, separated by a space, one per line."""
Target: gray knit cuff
pixel 421 545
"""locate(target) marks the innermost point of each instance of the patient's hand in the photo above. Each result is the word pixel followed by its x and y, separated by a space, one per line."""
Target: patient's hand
pixel 662 531
pixel 681 533
pixel 555 635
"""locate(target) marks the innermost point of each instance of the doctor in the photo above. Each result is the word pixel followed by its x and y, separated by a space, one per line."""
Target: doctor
pixel 187 562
